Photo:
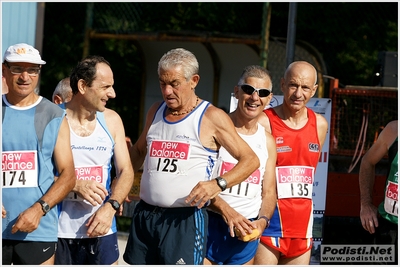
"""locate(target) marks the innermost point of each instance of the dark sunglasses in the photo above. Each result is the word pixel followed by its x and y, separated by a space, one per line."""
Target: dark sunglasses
pixel 248 89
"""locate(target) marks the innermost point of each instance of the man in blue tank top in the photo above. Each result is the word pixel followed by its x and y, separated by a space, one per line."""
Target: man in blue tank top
pixel 35 147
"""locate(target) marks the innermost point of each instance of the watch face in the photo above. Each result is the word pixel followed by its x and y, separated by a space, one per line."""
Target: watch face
pixel 114 204
pixel 222 183
pixel 46 207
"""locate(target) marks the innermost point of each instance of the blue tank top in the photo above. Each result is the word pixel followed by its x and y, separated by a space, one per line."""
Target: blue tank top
pixel 29 135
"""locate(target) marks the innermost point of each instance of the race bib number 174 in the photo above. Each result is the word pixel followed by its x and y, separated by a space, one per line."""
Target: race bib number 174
pixel 295 181
pixel 19 169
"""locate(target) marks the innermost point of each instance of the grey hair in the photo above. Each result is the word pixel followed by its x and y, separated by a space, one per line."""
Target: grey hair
pixel 179 57
pixel 63 89
pixel 255 71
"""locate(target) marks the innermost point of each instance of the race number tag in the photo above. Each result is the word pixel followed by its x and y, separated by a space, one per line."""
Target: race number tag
pixel 295 181
pixel 93 173
pixel 391 199
pixel 19 169
pixel 165 155
pixel 248 188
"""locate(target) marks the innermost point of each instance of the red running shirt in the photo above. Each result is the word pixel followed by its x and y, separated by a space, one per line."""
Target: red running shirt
pixel 297 158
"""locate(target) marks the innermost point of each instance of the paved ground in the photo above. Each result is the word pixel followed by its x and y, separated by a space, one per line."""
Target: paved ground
pixel 122 237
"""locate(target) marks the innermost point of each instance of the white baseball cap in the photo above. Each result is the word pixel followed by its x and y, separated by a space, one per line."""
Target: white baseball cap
pixel 23 53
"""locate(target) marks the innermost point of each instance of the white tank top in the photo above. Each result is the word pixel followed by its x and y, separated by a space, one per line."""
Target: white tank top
pixel 245 197
pixel 176 160
pixel 92 158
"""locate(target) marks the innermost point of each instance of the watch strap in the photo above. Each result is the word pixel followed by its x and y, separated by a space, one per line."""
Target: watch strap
pixel 266 219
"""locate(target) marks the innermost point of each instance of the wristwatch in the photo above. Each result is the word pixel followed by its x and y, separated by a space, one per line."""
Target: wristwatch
pixel 221 183
pixel 114 204
pixel 45 206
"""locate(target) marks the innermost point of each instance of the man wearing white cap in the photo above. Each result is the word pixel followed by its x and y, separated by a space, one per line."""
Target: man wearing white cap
pixel 35 149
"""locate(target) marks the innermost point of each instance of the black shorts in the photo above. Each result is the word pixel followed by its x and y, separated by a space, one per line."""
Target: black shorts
pixel 88 251
pixel 167 236
pixel 18 252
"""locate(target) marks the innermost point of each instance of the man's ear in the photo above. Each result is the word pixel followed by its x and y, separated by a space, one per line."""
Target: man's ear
pixel 194 81
pixel 314 90
pixel 282 84
pixel 236 91
pixel 57 99
pixel 82 86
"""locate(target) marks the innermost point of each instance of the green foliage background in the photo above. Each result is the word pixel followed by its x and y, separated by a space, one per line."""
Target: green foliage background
pixel 348 35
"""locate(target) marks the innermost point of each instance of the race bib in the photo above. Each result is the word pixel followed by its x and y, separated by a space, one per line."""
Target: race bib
pixel 248 188
pixel 19 169
pixel 295 181
pixel 391 199
pixel 164 156
pixel 93 173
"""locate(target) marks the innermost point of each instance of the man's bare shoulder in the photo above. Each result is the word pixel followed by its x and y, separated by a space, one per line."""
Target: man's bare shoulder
pixel 215 117
pixel 321 120
pixel 389 133
pixel 215 126
pixel 113 120
pixel 111 115
pixel 264 121
pixel 110 112
pixel 393 126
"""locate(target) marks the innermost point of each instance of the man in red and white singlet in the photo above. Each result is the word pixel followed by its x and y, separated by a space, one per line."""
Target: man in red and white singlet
pixel 299 135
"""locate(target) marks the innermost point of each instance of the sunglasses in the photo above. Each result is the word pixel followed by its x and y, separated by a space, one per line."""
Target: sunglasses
pixel 248 89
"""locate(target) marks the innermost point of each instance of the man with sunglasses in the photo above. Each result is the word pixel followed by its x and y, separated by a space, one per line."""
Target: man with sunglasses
pixel 299 135
pixel 252 202
pixel 35 146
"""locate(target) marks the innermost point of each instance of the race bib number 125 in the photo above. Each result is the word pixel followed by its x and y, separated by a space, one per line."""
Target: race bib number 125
pixel 165 155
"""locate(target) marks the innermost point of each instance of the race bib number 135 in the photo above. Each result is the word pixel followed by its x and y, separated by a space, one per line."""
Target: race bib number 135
pixel 295 181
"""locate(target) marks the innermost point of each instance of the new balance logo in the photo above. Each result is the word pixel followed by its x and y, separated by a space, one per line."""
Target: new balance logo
pixel 180 262
pixel 46 249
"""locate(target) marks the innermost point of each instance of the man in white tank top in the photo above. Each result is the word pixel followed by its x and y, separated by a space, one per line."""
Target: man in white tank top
pixel 179 146
pixel 87 232
pixel 252 202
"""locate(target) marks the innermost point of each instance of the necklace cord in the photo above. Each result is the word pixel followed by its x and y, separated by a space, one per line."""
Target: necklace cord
pixel 176 113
